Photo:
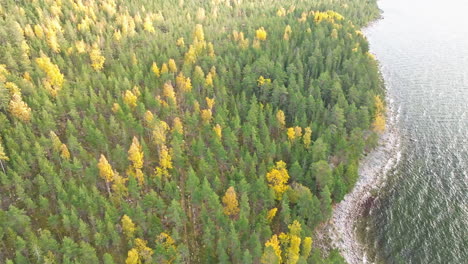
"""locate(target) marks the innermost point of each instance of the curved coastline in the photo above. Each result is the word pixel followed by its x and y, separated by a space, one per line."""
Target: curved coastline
pixel 373 169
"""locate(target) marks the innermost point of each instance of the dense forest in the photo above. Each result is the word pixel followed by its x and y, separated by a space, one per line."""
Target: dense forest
pixel 155 131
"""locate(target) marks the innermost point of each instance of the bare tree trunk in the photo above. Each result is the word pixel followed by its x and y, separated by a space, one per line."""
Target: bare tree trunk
pixel 3 168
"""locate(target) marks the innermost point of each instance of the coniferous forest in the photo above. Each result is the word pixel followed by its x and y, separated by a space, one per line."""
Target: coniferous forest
pixel 155 131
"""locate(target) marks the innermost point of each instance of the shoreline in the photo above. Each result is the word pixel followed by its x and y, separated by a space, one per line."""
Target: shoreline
pixel 340 230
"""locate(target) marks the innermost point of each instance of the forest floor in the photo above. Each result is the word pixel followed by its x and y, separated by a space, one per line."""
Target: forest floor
pixel 340 231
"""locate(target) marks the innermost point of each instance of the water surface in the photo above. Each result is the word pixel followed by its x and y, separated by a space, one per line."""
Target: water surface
pixel 422 213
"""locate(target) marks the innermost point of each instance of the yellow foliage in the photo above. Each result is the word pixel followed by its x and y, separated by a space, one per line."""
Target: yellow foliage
pixel 27 77
pixel 143 250
pixel 307 137
pixel 19 109
pixel 172 66
pixel 306 247
pixel 183 83
pixel 218 131
pixel 118 186
pixel 148 25
pixel 287 32
pixel 178 126
pixel 159 133
pixel 209 79
pixel 231 205
pixel 210 102
pixel 261 34
pixel 165 159
pixel 278 178
pixel 149 117
pixel 3 72
pixel 274 244
pixel 52 41
pixel 206 115
pixel 190 55
pixel 280 117
pixel 115 107
pixel 297 132
pixel 56 143
pixel 130 99
pixel 199 34
pixel 211 52
pixel 155 69
pixel 80 46
pixel 303 17
pixel 293 250
pixel 281 12
pixel 12 88
pixel 135 154
pixel 200 14
pixel 291 133
pixel 3 156
pixel 330 16
pixel 271 214
pixel 133 257
pixel 168 92
pixel 379 116
pixel 28 31
pixel 105 169
pixel 97 60
pixel 64 153
pixel 164 68
pixel 54 76
pixel 262 81
pixel 39 31
pixel 180 42
pixel 128 227
pixel 379 123
pixel 295 228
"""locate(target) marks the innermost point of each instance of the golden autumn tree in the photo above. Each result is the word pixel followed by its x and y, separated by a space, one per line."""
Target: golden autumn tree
pixel 306 247
pixel 155 69
pixel 271 214
pixel 54 78
pixel 136 155
pixel 292 251
pixel 159 133
pixel 261 34
pixel 177 126
pixel 379 116
pixel 3 157
pixel 172 66
pixel 143 250
pixel 291 133
pixel 218 131
pixel 277 179
pixel 106 172
pixel 119 187
pixel 272 252
pixel 133 257
pixel 130 99
pixel 19 109
pixel 64 153
pixel 128 227
pixel 231 205
pixel 97 60
pixel 165 163
pixel 280 117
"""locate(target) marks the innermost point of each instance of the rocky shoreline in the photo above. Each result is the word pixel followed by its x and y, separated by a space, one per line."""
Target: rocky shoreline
pixel 340 231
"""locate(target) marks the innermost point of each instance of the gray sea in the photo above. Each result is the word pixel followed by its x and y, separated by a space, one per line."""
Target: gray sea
pixel 421 215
